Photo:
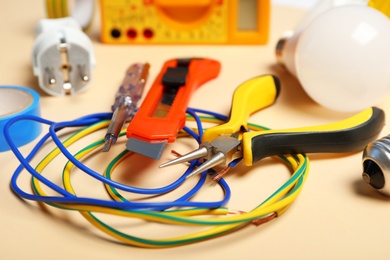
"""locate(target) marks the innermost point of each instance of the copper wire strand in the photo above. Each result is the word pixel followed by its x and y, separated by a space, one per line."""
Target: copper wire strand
pixel 236 212
pixel 260 221
pixel 257 222
pixel 177 154
pixel 221 173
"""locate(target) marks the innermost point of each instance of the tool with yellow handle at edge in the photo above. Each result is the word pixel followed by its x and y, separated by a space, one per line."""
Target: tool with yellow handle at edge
pixel 381 5
pixel 230 141
pixel 349 135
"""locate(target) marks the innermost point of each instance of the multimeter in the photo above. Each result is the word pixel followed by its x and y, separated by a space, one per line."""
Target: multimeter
pixel 185 21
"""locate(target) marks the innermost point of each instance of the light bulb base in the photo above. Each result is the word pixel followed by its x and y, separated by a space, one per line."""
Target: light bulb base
pixel 281 46
pixel 376 165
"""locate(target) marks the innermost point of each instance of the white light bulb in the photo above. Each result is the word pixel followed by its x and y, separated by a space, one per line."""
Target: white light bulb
pixel 341 57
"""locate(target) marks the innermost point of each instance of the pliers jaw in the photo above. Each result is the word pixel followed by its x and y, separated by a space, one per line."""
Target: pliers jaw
pixel 218 153
pixel 223 144
pixel 221 151
pixel 227 142
pixel 228 145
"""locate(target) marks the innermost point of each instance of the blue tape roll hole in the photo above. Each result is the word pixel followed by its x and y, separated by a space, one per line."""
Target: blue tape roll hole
pixel 16 101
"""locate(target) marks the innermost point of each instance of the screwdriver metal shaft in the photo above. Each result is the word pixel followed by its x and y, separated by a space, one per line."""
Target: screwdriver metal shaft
pixel 126 100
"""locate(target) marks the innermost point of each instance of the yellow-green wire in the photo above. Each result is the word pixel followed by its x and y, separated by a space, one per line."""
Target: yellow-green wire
pixel 277 202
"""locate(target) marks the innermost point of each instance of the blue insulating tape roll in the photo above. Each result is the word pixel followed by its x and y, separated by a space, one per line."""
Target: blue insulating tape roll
pixel 16 101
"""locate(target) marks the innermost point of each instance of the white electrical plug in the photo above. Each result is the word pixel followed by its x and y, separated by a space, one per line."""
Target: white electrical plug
pixel 62 56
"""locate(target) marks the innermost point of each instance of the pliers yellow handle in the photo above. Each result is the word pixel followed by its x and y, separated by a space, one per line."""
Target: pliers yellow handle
pixel 251 96
pixel 348 135
pixel 224 143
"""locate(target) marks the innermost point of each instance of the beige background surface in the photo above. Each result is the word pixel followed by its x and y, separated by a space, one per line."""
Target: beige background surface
pixel 336 216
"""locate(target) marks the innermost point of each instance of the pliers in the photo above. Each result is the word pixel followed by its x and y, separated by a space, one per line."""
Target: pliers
pixel 230 141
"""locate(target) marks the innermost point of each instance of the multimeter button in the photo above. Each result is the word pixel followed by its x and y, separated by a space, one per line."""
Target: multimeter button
pixel 148 33
pixel 131 33
pixel 115 33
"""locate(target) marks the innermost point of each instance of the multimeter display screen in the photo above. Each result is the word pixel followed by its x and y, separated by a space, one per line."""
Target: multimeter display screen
pixel 247 15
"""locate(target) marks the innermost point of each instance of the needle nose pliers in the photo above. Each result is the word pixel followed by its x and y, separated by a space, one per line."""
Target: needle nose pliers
pixel 227 142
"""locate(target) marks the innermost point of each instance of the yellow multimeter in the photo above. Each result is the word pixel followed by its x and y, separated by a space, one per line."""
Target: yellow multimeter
pixel 185 21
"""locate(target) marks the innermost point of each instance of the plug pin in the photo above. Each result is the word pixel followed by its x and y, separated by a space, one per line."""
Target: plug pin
pixel 51 80
pixel 65 66
pixel 62 56
pixel 83 72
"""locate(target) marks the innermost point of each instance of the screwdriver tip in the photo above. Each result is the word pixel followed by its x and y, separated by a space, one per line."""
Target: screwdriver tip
pixel 107 144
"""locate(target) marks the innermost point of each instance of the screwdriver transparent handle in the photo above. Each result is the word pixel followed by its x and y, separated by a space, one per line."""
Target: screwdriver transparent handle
pixel 126 99
pixel 132 87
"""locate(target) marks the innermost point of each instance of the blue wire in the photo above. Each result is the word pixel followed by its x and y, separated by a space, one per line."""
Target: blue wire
pixel 192 133
pixel 25 161
pixel 199 125
pixel 211 113
pixel 70 198
pixel 101 178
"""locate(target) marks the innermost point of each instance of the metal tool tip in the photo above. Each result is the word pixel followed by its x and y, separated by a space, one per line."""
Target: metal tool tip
pixel 198 153
pixel 194 172
pixel 215 160
pixel 166 164
pixel 107 144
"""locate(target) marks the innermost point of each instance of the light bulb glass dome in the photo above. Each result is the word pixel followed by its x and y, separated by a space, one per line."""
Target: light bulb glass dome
pixel 342 58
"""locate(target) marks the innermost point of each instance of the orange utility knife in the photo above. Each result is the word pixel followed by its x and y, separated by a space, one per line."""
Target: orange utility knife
pixel 163 111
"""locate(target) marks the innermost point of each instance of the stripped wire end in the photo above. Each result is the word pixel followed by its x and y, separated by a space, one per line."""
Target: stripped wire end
pixel 220 174
pixel 257 222
pixel 236 212
pixel 260 221
pixel 175 153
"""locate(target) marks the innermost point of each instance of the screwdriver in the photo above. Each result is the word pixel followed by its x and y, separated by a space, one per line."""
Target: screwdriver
pixel 126 99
